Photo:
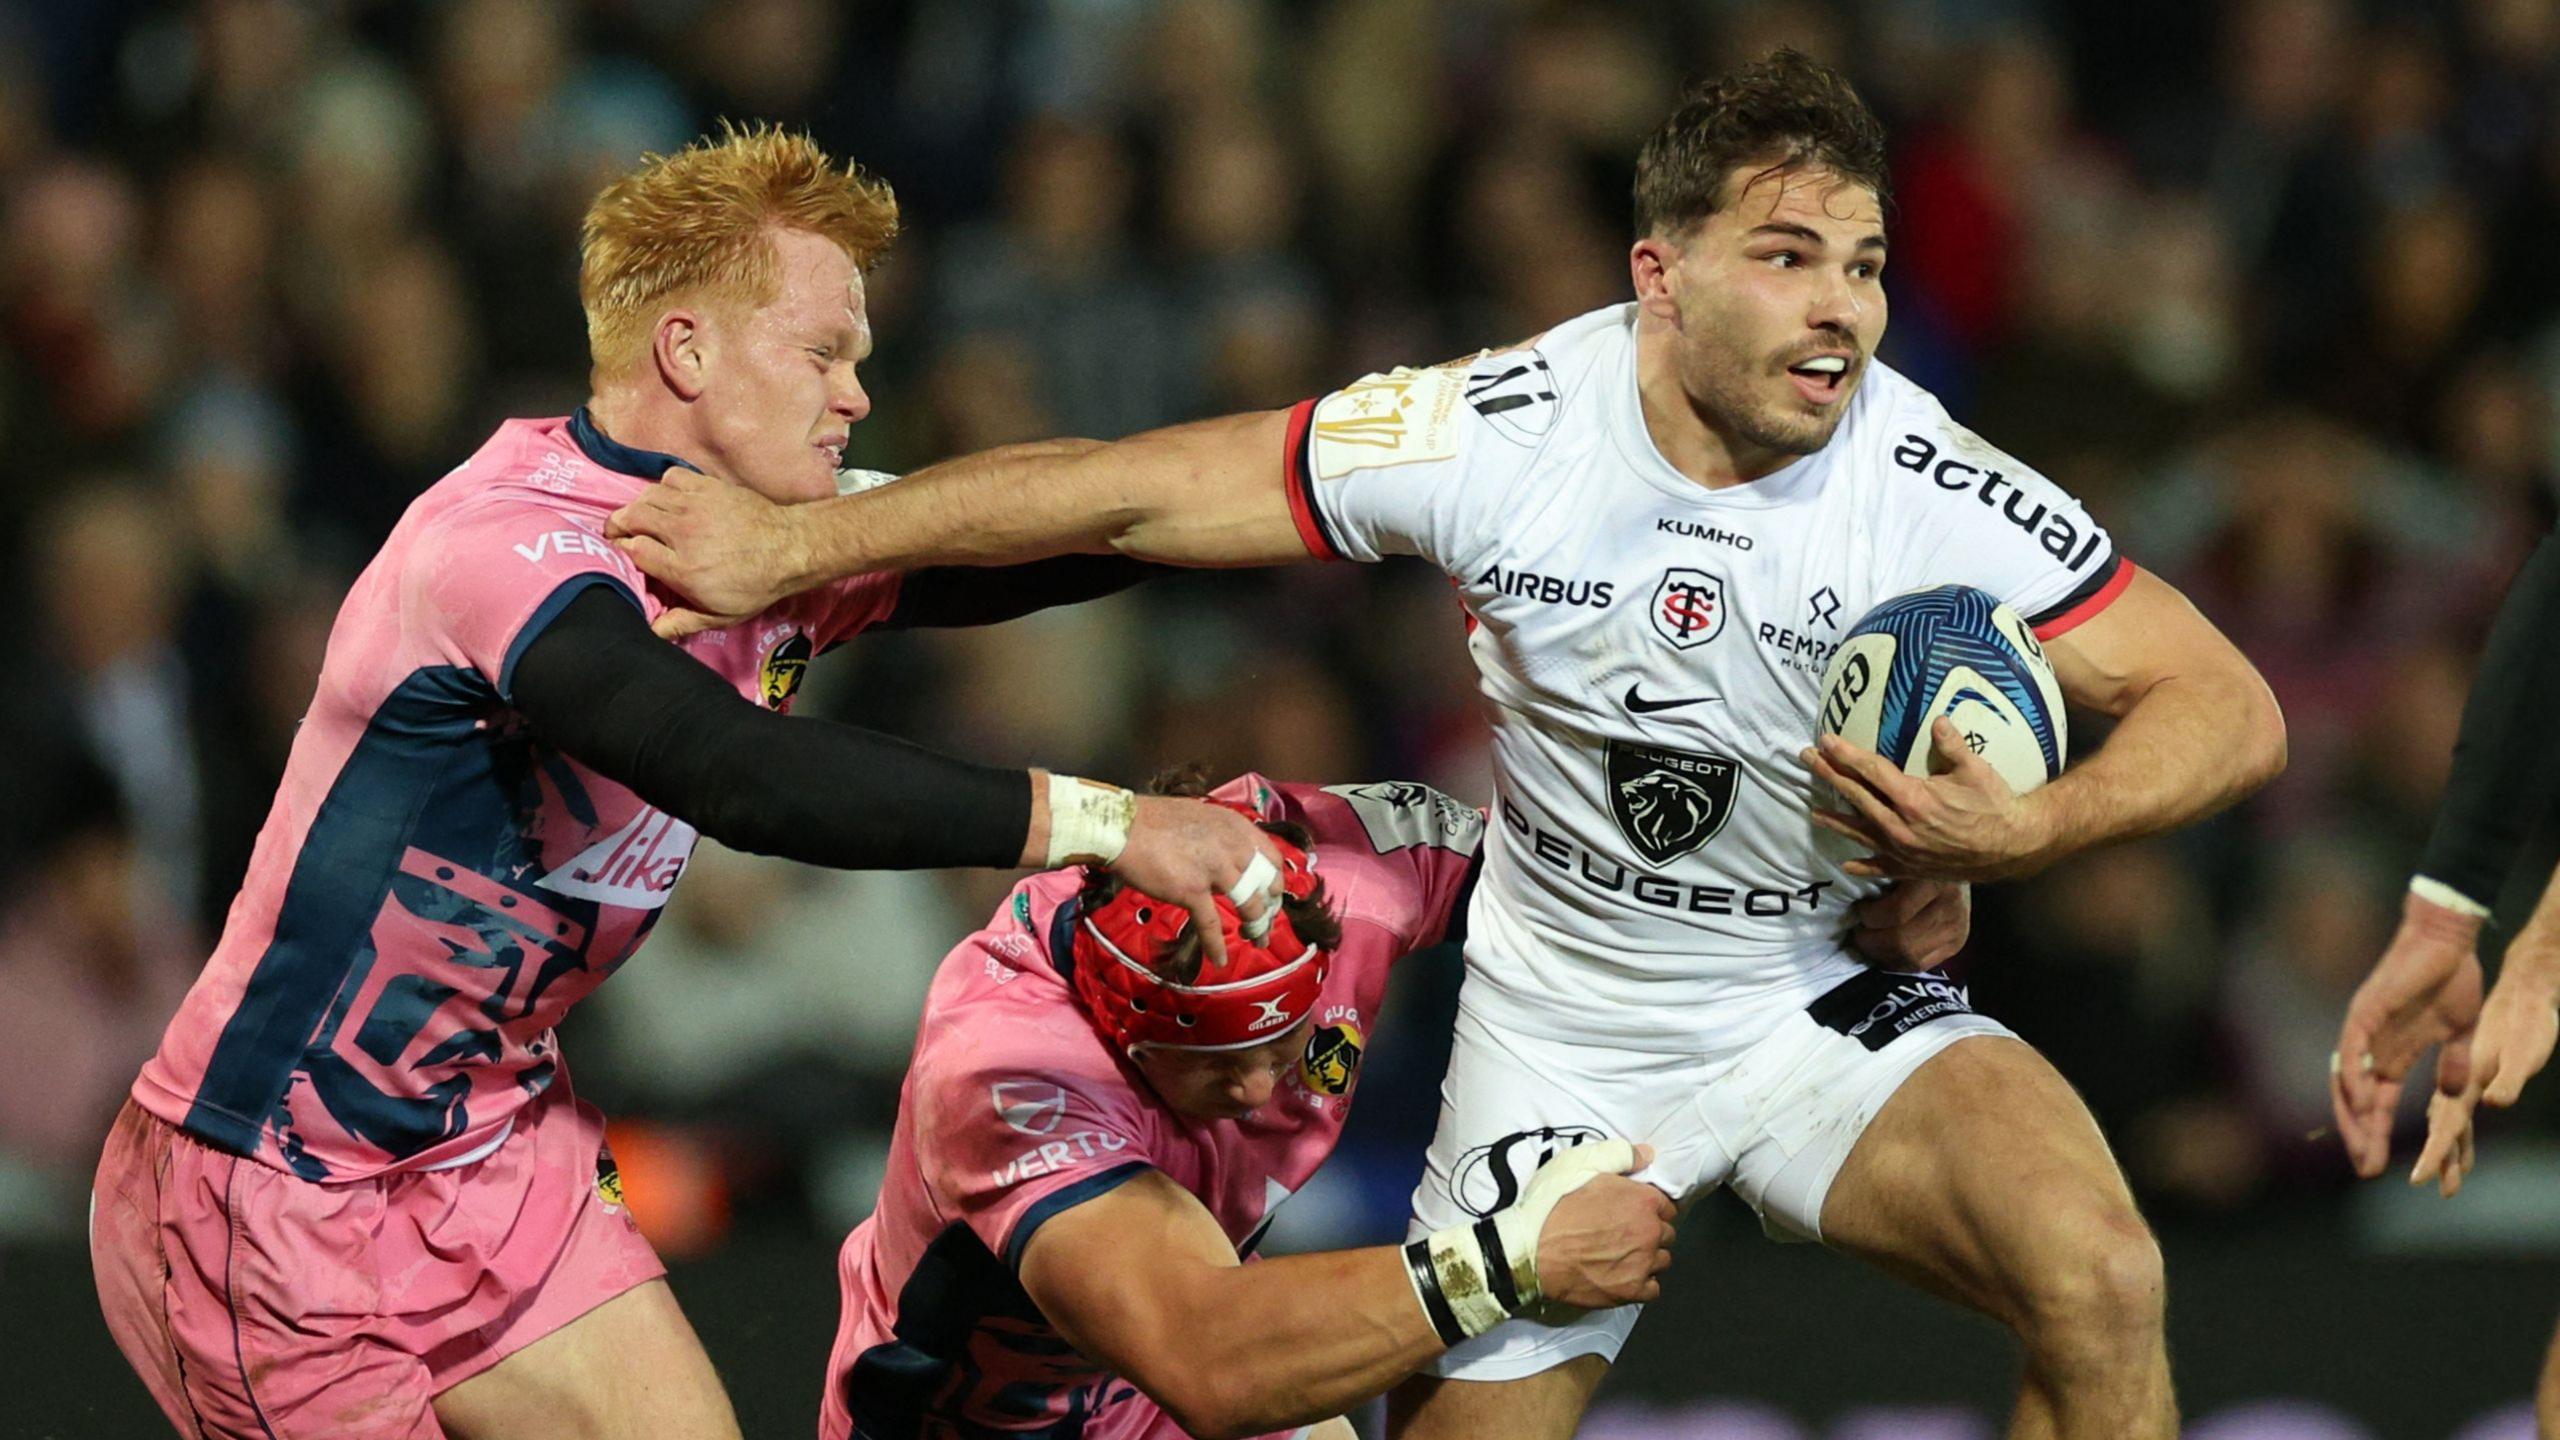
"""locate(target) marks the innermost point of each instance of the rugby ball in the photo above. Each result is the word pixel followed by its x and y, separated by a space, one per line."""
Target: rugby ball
pixel 1952 651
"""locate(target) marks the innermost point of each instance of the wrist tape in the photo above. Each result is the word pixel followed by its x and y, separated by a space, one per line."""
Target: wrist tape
pixel 1471 1278
pixel 1088 821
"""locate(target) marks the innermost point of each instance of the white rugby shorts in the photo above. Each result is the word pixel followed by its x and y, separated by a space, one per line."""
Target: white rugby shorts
pixel 1774 1119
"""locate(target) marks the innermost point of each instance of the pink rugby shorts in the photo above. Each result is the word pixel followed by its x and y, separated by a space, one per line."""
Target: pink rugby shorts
pixel 262 1306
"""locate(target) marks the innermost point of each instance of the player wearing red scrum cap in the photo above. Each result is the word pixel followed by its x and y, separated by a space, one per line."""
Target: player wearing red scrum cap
pixel 1098 1125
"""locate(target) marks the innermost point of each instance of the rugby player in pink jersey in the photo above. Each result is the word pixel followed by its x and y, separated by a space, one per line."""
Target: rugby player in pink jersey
pixel 1097 1125
pixel 353 1195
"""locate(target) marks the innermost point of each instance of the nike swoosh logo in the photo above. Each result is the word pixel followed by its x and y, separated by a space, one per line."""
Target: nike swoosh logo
pixel 1642 706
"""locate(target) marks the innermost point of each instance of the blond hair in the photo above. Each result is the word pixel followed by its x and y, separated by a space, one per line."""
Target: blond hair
pixel 693 225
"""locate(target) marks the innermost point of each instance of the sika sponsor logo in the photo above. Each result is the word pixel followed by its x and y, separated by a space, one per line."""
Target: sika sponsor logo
pixel 635 866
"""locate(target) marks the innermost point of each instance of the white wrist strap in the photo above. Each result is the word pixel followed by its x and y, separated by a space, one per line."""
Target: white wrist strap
pixel 1088 821
pixel 2436 892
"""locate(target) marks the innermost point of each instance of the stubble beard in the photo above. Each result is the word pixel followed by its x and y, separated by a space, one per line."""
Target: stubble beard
pixel 1736 401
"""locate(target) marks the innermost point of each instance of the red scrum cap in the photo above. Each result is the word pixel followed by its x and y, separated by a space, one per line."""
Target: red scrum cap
pixel 1266 986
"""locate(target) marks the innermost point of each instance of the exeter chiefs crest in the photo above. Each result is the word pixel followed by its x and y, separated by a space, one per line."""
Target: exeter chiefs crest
pixel 1332 1060
pixel 783 669
pixel 1668 802
pixel 608 1180
pixel 1688 607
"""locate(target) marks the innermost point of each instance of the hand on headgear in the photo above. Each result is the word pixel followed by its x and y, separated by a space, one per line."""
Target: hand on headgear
pixel 1268 984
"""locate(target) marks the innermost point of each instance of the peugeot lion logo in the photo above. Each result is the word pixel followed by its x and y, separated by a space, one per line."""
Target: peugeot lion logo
pixel 1665 810
pixel 1668 802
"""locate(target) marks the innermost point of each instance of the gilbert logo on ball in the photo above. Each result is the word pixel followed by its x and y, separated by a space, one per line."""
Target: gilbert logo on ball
pixel 1952 651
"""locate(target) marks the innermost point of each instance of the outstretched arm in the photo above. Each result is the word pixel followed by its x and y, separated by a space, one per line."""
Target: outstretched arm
pixel 1204 494
pixel 2425 990
pixel 1142 1279
pixel 950 596
pixel 639 711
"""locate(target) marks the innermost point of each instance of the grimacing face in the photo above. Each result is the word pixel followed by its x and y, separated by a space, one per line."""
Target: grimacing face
pixel 1781 305
pixel 1221 1084
pixel 780 391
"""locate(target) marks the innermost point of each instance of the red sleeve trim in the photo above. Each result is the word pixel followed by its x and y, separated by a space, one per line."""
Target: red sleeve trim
pixel 2088 610
pixel 1300 485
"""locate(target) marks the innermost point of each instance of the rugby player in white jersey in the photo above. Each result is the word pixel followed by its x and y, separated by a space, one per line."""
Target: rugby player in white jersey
pixel 1663 516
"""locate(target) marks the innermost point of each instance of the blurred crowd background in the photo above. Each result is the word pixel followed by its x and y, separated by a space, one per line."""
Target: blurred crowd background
pixel 2266 283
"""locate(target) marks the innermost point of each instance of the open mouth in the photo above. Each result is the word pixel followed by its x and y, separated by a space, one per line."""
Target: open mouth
pixel 833 449
pixel 1822 378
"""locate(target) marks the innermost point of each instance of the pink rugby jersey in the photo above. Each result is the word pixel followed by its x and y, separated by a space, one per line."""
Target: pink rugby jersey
pixel 435 887
pixel 1015 1109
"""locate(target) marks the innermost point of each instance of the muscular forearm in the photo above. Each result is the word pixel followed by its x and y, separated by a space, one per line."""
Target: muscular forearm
pixel 1189 495
pixel 2188 746
pixel 1295 1340
pixel 2506 773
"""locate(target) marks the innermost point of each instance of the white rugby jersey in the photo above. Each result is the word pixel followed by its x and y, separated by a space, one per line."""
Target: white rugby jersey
pixel 1652 651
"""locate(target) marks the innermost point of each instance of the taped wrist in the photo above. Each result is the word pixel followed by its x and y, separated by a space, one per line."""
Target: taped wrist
pixel 1088 821
pixel 1471 1278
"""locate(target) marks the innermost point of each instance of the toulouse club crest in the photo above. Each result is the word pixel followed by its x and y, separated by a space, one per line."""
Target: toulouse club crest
pixel 1669 802
pixel 1490 1177
pixel 1688 607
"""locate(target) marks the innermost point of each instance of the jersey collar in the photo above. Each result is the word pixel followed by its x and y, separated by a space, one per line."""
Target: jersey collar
pixel 1062 939
pixel 613 455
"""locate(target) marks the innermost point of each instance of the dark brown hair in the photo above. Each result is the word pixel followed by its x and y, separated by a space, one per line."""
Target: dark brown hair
pixel 1783 111
pixel 1312 918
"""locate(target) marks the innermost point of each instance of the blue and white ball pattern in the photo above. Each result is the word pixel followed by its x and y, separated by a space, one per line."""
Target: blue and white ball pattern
pixel 1952 651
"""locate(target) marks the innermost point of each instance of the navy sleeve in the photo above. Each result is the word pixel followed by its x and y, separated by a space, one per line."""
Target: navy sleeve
pixel 957 595
pixel 596 683
pixel 2506 771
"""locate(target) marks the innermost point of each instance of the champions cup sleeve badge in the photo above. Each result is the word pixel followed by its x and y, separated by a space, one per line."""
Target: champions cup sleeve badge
pixel 1332 1060
pixel 783 670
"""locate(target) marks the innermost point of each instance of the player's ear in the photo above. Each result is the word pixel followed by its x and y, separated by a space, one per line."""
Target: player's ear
pixel 677 347
pixel 1654 263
